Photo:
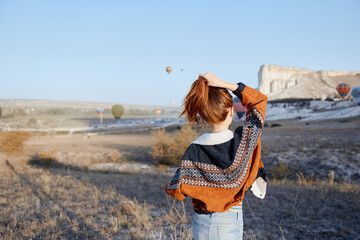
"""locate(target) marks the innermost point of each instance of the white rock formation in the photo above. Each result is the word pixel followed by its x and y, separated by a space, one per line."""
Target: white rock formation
pixel 279 82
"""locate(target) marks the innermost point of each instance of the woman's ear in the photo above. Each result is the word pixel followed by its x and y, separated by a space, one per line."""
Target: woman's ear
pixel 231 111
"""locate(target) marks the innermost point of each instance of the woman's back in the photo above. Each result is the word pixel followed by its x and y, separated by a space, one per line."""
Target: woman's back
pixel 217 168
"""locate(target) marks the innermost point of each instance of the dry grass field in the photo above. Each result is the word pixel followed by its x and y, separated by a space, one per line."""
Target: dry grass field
pixel 51 191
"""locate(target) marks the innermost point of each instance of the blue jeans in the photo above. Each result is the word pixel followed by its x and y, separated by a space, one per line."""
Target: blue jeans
pixel 218 226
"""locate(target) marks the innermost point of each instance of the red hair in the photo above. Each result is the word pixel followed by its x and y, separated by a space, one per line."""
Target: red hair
pixel 210 103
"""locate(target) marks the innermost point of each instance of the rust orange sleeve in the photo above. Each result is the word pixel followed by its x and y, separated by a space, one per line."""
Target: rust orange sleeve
pixel 175 193
pixel 252 98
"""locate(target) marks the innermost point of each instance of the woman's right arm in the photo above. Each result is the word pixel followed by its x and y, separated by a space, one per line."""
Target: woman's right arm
pixel 214 81
pixel 252 99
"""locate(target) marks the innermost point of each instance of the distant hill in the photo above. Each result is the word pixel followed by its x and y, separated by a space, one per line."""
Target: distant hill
pixel 28 106
pixel 74 104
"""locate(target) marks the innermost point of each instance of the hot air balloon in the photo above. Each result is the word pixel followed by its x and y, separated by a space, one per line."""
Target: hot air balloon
pixel 168 69
pixel 355 93
pixel 182 69
pixel 239 108
pixel 343 89
pixel 100 112
pixel 117 110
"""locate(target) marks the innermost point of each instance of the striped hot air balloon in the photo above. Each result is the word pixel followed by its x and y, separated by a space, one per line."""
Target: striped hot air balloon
pixel 239 108
pixel 99 111
pixel 343 89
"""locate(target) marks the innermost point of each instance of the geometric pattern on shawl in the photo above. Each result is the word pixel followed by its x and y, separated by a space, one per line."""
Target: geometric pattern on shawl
pixel 209 175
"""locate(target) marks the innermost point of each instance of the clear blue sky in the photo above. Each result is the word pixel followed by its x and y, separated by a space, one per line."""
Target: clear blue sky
pixel 117 51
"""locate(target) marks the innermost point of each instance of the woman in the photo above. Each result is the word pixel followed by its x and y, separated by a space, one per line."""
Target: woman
pixel 218 167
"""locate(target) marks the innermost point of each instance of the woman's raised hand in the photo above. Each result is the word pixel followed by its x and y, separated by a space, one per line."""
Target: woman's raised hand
pixel 214 81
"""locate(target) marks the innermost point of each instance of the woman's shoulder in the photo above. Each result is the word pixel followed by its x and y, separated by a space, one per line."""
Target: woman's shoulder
pixel 190 152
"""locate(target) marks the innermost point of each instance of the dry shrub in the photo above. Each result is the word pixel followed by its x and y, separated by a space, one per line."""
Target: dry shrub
pixel 168 149
pixel 161 145
pixel 13 142
pixel 116 156
pixel 162 168
pixel 279 172
pixel 45 158
pixel 49 154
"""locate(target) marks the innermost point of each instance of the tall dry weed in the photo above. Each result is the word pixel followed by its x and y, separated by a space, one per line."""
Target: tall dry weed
pixel 301 179
pixel 169 148
pixel 136 217
pixel 45 180
pixel 183 233
pixel 173 215
pixel 250 235
pixel 331 177
pixel 13 142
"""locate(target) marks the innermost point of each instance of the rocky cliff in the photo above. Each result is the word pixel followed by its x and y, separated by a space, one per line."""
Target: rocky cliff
pixel 279 82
